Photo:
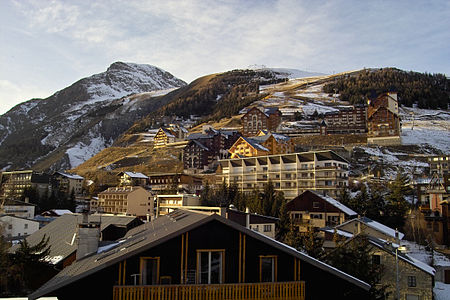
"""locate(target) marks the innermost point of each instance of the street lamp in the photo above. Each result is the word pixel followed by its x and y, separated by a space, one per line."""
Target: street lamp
pixel 401 248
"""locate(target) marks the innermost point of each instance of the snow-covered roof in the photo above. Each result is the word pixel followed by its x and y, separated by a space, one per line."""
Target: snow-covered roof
pixel 337 204
pixel 338 231
pixel 200 145
pixel 70 176
pixel 403 256
pixel 255 144
pixel 375 225
pixel 61 212
pixel 136 175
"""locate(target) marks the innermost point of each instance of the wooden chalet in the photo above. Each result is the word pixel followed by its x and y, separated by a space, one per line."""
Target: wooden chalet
pixel 189 255
pixel 260 118
pixel 311 210
pixel 383 121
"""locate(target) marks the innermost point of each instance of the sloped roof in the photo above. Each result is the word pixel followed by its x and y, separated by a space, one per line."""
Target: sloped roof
pixel 70 176
pixel 200 145
pixel 403 256
pixel 134 175
pixel 336 204
pixel 255 144
pixel 375 225
pixel 159 231
pixel 62 233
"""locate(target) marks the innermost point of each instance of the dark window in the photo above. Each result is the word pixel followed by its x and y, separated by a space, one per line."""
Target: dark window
pixel 149 270
pixel 267 228
pixel 376 259
pixel 315 204
pixel 268 268
pixel 412 281
pixel 210 266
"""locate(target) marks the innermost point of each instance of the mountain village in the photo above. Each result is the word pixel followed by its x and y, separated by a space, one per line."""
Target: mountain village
pixel 298 195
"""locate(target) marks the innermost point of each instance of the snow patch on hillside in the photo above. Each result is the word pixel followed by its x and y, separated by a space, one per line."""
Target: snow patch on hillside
pixel 81 152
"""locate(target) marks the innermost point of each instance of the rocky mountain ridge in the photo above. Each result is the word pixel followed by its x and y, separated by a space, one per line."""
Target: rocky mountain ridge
pixel 75 123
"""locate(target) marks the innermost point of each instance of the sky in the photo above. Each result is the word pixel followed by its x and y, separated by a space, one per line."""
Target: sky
pixel 46 45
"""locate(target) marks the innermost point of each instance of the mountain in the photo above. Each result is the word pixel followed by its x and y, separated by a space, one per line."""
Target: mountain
pixel 67 128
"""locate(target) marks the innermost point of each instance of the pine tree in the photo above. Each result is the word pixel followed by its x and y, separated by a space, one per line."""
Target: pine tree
pixel 396 205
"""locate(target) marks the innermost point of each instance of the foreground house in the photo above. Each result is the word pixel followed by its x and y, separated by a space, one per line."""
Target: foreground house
pixel 188 255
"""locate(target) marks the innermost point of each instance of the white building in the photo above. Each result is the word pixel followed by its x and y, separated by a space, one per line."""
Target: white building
pixel 322 171
pixel 15 227
pixel 19 209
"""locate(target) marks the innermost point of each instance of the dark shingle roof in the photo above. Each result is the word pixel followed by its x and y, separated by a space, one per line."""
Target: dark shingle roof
pixel 157 232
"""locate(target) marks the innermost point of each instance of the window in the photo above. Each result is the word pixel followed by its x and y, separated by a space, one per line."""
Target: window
pixel 210 266
pixel 376 259
pixel 25 226
pixel 315 204
pixel 267 268
pixel 412 281
pixel 267 228
pixel 149 267
pixel 10 226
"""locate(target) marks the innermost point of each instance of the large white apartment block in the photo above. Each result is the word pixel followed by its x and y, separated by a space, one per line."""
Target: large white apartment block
pixel 322 171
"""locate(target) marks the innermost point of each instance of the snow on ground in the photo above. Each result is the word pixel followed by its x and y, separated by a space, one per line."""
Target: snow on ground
pixel 81 152
pixel 435 133
pixel 310 108
pixel 441 291
pixel 395 160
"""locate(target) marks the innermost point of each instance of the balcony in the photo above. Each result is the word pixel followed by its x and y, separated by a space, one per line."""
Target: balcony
pixel 239 291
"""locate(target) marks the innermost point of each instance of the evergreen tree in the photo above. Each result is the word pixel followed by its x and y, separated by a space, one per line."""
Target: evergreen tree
pixel 354 257
pixel 397 206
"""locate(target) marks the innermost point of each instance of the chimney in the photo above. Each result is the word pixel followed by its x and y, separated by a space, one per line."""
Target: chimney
pixel 247 217
pixel 27 200
pixel 88 237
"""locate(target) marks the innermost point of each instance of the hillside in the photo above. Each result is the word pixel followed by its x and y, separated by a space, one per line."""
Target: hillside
pixel 425 90
pixel 74 124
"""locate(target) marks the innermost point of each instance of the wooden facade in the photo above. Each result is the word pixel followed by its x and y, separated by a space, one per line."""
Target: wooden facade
pixel 257 119
pixel 383 122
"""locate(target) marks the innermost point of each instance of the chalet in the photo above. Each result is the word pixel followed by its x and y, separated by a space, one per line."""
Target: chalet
pixel 260 118
pixel 131 201
pixel 265 143
pixel 55 213
pixel 415 278
pixel 311 211
pixel 66 183
pixel 204 149
pixel 188 255
pixel 63 234
pixel 132 179
pixel 247 147
pixel 197 156
pixel 383 121
pixel 167 135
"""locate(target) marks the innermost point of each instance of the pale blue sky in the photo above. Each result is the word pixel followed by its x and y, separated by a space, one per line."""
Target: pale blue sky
pixel 48 45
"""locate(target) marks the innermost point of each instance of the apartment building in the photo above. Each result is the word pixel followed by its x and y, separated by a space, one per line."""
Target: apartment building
pixel 66 183
pixel 260 118
pixel 131 201
pixel 439 164
pixel 347 120
pixel 14 183
pixel 322 171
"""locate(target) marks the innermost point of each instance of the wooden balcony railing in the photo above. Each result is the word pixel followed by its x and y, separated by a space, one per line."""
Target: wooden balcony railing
pixel 239 291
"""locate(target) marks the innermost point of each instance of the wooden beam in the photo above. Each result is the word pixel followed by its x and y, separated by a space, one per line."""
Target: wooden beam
pixel 182 259
pixel 240 258
pixel 186 257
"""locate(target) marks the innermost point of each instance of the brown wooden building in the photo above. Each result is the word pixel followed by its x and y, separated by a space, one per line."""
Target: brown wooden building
pixel 187 255
pixel 383 121
pixel 260 118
